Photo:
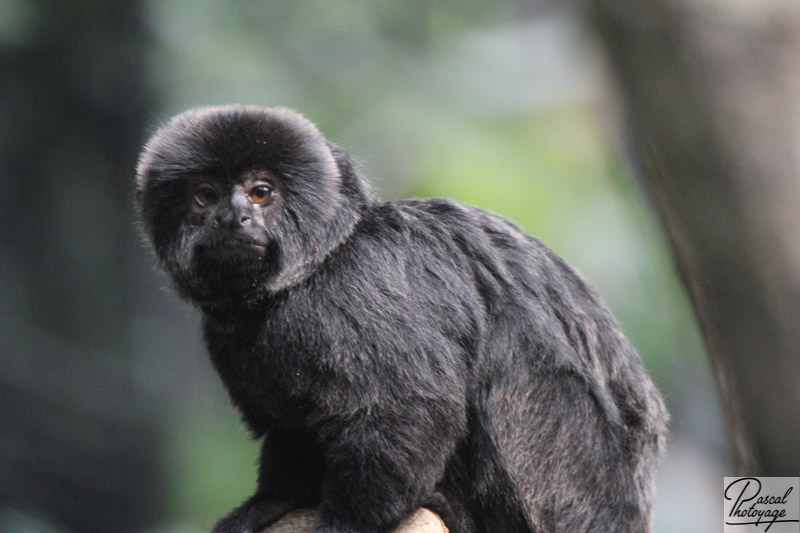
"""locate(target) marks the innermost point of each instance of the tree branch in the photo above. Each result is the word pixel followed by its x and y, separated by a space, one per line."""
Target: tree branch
pixel 712 89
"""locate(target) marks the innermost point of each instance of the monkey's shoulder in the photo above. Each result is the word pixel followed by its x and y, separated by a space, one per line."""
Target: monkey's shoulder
pixel 441 220
pixel 492 259
pixel 465 238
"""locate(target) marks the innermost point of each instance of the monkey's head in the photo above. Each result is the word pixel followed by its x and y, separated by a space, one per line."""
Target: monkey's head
pixel 241 201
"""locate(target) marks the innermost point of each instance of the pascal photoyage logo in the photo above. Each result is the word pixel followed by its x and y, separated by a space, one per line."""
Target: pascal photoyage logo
pixel 759 504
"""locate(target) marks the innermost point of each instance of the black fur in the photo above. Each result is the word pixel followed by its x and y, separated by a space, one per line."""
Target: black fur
pixel 396 355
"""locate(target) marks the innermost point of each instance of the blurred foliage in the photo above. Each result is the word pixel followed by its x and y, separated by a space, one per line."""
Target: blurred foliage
pixel 490 103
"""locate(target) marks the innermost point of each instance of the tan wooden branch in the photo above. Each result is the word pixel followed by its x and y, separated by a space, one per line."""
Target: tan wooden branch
pixel 303 520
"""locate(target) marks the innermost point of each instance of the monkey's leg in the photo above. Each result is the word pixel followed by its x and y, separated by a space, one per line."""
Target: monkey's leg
pixel 288 479
pixel 380 468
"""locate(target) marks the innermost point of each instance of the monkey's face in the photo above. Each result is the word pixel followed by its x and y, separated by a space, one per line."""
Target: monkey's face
pixel 237 200
pixel 236 217
pixel 228 238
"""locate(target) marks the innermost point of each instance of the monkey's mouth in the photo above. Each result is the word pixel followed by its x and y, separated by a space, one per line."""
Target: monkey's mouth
pixel 232 248
pixel 245 246
pixel 249 245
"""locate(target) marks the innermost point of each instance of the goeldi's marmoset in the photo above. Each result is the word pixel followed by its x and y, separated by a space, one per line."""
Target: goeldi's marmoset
pixel 395 355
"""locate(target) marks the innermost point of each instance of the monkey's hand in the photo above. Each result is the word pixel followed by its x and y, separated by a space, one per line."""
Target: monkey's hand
pixel 253 515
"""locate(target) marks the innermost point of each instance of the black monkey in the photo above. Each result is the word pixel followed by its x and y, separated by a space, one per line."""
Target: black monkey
pixel 395 355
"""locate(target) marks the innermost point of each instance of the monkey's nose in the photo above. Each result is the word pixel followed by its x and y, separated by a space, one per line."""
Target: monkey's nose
pixel 224 219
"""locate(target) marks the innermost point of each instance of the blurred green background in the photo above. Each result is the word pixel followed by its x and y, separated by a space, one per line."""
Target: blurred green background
pixel 112 417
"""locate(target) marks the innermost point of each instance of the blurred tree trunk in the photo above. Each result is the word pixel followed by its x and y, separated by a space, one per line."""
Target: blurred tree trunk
pixel 712 96
pixel 77 447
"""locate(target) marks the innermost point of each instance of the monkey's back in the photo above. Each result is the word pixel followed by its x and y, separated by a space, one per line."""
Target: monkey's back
pixel 559 402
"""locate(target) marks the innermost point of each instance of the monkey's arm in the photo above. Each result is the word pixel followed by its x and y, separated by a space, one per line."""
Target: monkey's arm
pixel 381 465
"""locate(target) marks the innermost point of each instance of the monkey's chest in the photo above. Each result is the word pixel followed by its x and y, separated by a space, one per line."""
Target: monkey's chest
pixel 258 379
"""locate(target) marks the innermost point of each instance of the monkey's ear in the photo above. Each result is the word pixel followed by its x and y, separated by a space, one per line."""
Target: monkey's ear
pixel 142 169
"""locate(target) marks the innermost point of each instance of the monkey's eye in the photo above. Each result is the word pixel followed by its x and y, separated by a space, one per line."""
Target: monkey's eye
pixel 260 194
pixel 205 195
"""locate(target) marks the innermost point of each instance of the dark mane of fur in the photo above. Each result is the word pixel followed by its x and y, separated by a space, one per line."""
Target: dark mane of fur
pixel 394 355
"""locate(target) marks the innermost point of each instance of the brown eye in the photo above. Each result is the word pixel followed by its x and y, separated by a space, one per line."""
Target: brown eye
pixel 260 194
pixel 205 196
